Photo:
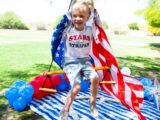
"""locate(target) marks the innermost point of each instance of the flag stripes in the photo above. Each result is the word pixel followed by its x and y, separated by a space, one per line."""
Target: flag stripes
pixel 124 89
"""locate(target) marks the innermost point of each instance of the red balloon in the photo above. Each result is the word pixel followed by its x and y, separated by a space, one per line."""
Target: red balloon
pixel 38 95
pixel 43 81
pixel 35 86
pixel 56 79
pixel 40 81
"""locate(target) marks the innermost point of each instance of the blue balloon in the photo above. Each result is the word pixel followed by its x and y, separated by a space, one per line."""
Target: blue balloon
pixel 11 93
pixel 146 82
pixel 26 91
pixel 10 102
pixel 62 86
pixel 68 86
pixel 19 83
pixel 19 104
pixel 150 97
pixel 85 84
pixel 146 93
pixel 62 76
pixel 28 100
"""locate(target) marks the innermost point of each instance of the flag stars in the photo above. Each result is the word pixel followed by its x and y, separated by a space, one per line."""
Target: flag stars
pixel 65 24
pixel 61 42
pixel 53 38
pixel 58 48
pixel 57 55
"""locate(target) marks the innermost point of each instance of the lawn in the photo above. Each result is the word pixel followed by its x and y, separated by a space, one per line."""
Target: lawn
pixel 26 54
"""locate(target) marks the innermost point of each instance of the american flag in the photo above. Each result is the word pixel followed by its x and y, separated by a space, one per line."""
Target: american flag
pixel 128 90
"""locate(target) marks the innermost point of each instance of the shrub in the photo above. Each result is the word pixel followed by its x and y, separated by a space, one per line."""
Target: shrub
pixel 39 25
pixel 154 30
pixel 11 21
pixel 119 29
pixel 133 26
pixel 119 32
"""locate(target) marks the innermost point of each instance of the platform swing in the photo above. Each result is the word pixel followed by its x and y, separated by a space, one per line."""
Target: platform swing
pixel 49 73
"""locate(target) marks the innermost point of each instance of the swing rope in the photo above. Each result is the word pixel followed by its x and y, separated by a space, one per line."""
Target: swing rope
pixel 49 76
pixel 70 5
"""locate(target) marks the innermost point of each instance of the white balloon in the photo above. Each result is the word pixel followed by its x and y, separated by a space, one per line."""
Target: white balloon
pixel 126 71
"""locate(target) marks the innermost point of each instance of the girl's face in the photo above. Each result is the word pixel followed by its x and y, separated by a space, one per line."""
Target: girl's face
pixel 80 14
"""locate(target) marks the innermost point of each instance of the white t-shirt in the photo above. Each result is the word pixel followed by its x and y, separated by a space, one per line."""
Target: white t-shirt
pixel 78 43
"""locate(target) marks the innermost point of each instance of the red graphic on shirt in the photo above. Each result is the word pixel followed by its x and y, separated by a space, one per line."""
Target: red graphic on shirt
pixel 79 37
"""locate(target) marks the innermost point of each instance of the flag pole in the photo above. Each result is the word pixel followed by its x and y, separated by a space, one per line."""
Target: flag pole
pixel 70 5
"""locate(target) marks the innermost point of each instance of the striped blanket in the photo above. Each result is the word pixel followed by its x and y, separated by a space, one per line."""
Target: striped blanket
pixel 109 109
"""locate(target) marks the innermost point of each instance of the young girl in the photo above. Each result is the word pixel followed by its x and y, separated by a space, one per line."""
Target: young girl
pixel 76 61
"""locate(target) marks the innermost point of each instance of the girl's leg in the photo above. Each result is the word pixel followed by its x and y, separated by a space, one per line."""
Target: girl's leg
pixel 71 96
pixel 94 91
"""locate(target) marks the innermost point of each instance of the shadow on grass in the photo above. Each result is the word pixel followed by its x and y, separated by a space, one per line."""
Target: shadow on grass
pixel 9 113
pixel 140 66
pixel 3 109
pixel 11 76
pixel 29 115
pixel 7 78
pixel 44 67
pixel 155 46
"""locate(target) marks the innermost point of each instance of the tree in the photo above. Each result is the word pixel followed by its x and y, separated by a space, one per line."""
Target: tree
pixel 9 20
pixel 152 16
pixel 152 13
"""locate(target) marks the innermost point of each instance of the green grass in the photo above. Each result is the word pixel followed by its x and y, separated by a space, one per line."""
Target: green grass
pixel 26 54
pixel 140 53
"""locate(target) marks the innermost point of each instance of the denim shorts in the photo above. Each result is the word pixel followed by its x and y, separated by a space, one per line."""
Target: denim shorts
pixel 76 69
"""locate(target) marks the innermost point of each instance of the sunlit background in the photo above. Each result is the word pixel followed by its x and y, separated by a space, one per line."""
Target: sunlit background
pixel 112 11
pixel 26 28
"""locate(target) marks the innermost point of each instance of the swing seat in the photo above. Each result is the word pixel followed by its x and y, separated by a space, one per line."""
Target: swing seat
pixel 51 80
pixel 48 90
pixel 107 82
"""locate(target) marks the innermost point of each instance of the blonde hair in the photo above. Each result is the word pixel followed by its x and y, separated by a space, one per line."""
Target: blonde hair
pixel 90 3
pixel 81 2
